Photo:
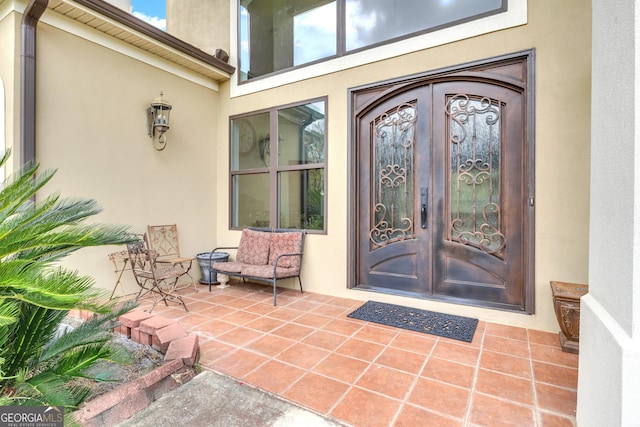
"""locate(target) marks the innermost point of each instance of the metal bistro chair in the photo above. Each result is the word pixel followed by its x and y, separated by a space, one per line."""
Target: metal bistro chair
pixel 163 240
pixel 155 278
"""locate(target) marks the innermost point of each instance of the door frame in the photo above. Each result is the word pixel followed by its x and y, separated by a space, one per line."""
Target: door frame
pixel 359 100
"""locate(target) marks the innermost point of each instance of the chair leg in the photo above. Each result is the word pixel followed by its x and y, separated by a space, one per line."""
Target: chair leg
pixel 166 296
pixel 300 281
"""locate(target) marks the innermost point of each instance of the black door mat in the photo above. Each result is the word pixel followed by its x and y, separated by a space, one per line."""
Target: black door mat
pixel 443 325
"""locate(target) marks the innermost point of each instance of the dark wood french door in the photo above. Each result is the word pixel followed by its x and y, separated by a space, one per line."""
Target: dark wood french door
pixel 442 197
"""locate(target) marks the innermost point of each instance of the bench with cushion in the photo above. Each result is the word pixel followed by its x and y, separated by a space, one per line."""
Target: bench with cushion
pixel 263 254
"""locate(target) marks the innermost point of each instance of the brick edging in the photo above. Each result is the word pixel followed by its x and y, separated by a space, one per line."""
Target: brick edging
pixel 181 350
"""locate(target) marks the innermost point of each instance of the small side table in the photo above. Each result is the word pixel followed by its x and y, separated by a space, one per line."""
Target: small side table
pixel 120 262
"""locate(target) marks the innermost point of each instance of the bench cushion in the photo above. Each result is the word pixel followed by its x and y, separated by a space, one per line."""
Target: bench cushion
pixel 254 247
pixel 285 243
pixel 266 271
pixel 228 267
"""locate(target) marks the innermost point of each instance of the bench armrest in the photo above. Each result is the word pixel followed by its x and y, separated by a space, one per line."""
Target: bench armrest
pixel 275 264
pixel 220 247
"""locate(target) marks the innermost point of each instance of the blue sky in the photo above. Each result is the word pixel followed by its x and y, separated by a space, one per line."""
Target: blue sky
pixel 151 11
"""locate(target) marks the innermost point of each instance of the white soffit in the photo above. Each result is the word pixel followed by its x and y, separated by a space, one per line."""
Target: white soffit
pixel 86 23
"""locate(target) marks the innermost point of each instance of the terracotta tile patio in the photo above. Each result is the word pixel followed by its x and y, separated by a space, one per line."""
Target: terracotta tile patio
pixel 364 374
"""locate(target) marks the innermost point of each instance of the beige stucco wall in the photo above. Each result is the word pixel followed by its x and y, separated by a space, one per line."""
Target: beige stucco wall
pixel 122 4
pixel 9 68
pixel 91 126
pixel 560 33
pixel 202 24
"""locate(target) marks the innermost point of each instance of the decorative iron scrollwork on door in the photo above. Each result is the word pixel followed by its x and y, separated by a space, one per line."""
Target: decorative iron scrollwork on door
pixel 474 139
pixel 392 148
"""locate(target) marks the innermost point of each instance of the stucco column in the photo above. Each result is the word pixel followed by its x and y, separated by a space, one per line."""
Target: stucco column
pixel 608 383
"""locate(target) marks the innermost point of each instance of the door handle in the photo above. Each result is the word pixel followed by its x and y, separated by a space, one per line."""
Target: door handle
pixel 423 207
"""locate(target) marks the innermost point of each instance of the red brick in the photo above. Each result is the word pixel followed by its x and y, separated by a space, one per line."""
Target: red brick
pixel 135 335
pixel 124 401
pixel 164 336
pixel 140 337
pixel 133 318
pixel 160 373
pixel 107 401
pixel 152 324
pixel 123 330
pixel 145 339
pixel 186 348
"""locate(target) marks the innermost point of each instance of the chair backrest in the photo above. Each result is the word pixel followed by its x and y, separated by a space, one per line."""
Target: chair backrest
pixel 139 255
pixel 163 240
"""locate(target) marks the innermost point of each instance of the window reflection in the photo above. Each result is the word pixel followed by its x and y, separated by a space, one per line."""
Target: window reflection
pixel 314 34
pixel 250 204
pixel 295 160
pixel 301 134
pixel 374 21
pixel 274 36
pixel 245 136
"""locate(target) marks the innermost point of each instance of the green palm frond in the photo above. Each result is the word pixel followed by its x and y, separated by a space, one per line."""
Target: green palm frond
pixel 91 331
pixel 19 188
pixel 35 327
pixel 9 311
pixel 56 290
pixel 77 362
pixel 48 388
pixel 37 362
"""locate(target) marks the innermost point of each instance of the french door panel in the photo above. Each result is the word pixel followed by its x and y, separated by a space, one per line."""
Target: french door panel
pixel 393 246
pixel 479 194
pixel 441 194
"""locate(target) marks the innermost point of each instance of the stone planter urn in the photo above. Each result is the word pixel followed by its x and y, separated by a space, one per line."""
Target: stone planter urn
pixel 566 303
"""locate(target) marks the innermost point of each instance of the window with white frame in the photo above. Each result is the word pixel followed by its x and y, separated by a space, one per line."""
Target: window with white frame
pixel 283 34
pixel 279 182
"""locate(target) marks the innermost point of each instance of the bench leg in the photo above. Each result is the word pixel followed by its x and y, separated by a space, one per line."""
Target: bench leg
pixel 274 292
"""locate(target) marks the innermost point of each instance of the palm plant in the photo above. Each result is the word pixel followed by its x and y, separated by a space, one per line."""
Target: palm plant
pixel 38 364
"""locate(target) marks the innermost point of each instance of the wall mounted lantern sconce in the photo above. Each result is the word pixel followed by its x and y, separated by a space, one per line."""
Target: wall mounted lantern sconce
pixel 158 122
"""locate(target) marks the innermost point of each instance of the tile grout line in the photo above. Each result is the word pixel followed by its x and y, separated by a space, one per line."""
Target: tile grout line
pixel 311 370
pixel 352 384
pixel 467 417
pixel 405 400
pixel 174 313
pixel 536 406
pixel 297 341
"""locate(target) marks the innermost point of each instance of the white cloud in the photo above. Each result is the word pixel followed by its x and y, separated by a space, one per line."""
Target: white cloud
pixel 153 20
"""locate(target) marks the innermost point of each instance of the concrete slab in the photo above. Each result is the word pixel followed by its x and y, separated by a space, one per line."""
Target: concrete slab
pixel 215 400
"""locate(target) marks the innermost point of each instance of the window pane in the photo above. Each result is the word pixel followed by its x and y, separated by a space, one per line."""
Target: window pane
pixel 314 34
pixel 393 148
pixel 244 63
pixel 294 183
pixel 475 173
pixel 301 132
pixel 250 202
pixel 374 21
pixel 278 35
pixel 247 151
pixel 301 203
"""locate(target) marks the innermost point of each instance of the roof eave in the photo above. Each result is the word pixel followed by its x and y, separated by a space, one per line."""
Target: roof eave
pixel 112 12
